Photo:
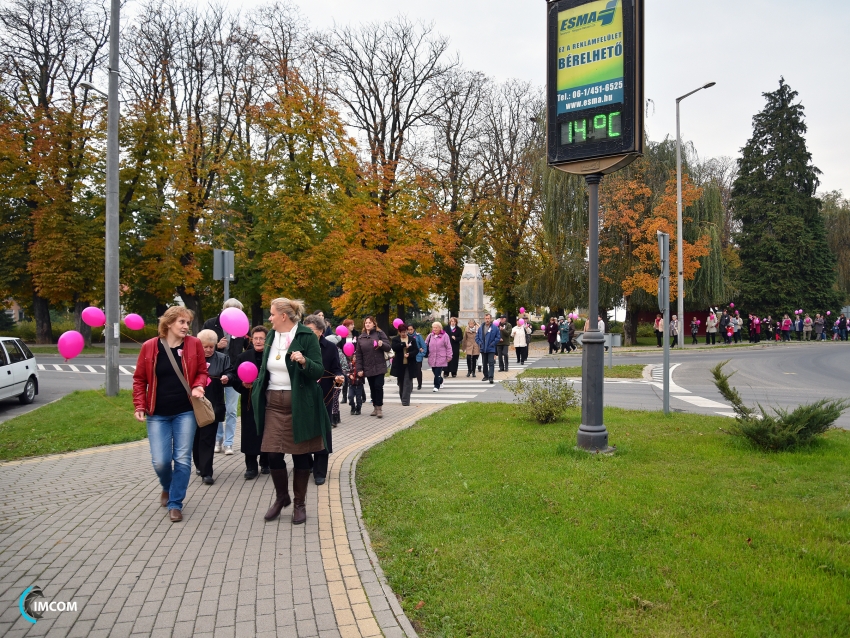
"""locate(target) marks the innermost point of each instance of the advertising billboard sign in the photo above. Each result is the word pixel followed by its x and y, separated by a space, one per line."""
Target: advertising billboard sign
pixel 595 84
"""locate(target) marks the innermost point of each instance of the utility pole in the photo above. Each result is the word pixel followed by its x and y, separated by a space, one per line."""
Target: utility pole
pixel 111 292
pixel 664 307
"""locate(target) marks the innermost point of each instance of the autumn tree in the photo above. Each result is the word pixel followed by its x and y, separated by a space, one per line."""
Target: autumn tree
pixel 53 162
pixel 836 217
pixel 628 251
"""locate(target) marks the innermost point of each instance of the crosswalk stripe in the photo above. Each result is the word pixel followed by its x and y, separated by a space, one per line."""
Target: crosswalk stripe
pixel 90 369
pixel 41 368
pixel 125 370
pixel 73 368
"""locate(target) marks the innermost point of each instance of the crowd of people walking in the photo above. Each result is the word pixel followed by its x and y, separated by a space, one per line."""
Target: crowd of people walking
pixel 305 370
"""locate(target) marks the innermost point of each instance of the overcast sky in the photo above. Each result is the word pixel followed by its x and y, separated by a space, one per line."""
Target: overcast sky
pixel 743 45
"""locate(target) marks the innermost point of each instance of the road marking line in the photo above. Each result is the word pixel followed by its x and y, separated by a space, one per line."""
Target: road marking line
pixel 90 369
pixel 125 370
pixel 730 414
pixel 41 367
pixel 702 402
pixel 73 368
pixel 58 367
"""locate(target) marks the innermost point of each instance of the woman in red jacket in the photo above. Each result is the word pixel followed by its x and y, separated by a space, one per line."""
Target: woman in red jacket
pixel 160 398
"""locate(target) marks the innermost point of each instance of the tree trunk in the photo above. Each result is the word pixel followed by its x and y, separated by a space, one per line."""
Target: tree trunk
pixel 160 310
pixel 383 319
pixel 630 326
pixel 81 326
pixel 257 313
pixel 41 314
pixel 194 304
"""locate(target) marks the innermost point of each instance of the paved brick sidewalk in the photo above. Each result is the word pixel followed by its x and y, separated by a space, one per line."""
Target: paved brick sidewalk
pixel 87 527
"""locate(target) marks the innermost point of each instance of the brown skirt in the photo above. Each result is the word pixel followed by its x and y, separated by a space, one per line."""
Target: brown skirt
pixel 277 433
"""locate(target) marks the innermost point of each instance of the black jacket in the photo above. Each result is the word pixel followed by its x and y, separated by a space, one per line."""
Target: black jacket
pixel 330 361
pixel 398 367
pixel 236 345
pixel 219 367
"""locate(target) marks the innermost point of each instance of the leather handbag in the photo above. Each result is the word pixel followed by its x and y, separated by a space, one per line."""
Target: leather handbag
pixel 203 409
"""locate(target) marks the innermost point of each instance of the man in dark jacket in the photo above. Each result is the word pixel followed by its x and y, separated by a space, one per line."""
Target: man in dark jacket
pixel 232 347
pixel 487 337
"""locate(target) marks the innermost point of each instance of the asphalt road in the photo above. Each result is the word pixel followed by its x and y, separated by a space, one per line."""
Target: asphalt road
pixel 783 375
pixel 774 374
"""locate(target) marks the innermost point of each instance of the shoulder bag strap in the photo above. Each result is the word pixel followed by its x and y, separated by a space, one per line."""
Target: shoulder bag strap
pixel 176 369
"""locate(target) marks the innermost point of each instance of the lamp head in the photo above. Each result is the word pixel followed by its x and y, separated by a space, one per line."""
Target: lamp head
pixel 709 85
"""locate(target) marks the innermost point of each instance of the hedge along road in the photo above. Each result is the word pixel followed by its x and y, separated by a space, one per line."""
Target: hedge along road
pixel 53 385
pixel 783 375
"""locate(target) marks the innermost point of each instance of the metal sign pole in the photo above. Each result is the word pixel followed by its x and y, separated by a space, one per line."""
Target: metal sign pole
pixel 592 433
pixel 664 306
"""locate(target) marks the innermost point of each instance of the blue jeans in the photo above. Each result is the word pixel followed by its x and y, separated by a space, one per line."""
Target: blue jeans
pixel 438 375
pixel 227 429
pixel 171 439
pixel 488 359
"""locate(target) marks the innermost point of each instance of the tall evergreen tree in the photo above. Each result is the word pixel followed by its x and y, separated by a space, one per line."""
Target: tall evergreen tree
pixel 785 260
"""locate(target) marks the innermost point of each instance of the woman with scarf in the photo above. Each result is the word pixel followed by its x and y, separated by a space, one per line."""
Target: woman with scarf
pixel 372 346
pixel 251 442
pixel 455 339
pixel 405 348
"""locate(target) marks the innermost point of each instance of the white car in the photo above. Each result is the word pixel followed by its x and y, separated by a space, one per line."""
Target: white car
pixel 18 371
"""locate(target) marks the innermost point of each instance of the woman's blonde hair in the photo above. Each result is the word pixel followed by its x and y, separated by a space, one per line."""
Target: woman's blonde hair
pixel 208 336
pixel 292 308
pixel 170 316
pixel 437 324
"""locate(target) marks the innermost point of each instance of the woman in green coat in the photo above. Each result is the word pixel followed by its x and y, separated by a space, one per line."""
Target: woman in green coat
pixel 288 407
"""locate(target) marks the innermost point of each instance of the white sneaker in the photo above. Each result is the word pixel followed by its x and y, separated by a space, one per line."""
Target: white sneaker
pixel 228 450
pixel 218 447
pixel 436 389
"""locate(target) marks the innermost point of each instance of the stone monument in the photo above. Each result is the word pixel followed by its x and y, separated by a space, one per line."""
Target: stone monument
pixel 471 294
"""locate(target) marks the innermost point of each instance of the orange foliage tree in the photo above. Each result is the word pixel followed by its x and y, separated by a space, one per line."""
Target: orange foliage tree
pixel 631 217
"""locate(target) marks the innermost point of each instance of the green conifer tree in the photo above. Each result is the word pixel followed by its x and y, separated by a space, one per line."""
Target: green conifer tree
pixel 786 263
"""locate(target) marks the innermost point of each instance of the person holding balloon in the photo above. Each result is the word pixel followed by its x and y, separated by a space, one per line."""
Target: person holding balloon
pixel 372 346
pixel 289 412
pixel 350 337
pixel 160 398
pixel 231 322
pixel 219 371
pixel 247 368
pixel 420 355
pixel 520 333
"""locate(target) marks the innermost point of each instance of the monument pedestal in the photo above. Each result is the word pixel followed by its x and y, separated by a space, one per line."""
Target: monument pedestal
pixel 471 295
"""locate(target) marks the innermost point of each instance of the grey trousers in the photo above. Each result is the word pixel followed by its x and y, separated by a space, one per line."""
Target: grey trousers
pixel 405 387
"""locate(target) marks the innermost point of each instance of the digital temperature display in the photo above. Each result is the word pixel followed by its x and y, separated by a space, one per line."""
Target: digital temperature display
pixel 594 128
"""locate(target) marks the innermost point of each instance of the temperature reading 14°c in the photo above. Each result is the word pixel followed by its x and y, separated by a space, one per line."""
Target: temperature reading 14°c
pixel 595 128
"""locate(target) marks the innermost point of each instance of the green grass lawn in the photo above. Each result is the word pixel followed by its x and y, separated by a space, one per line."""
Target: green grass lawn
pixel 628 371
pixel 488 525
pixel 79 420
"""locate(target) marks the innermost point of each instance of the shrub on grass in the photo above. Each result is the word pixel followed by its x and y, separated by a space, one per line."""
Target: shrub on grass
pixel 544 400
pixel 645 330
pixel 784 429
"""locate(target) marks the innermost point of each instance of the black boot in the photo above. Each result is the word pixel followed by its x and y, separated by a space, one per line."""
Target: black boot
pixel 300 480
pixel 281 486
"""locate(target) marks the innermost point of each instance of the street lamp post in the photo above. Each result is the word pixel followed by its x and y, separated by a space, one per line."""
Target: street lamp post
pixel 680 283
pixel 112 329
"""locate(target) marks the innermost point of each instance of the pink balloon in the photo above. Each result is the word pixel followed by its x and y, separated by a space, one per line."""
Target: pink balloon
pixel 70 344
pixel 731 305
pixel 522 310
pixel 134 322
pixel 828 312
pixel 93 316
pixel 247 372
pixel 234 322
pixel 342 331
pixel 348 349
pixel 520 322
pixel 397 322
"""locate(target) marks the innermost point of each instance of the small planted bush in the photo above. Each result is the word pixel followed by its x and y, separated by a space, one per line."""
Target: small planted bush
pixel 783 429
pixel 544 400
